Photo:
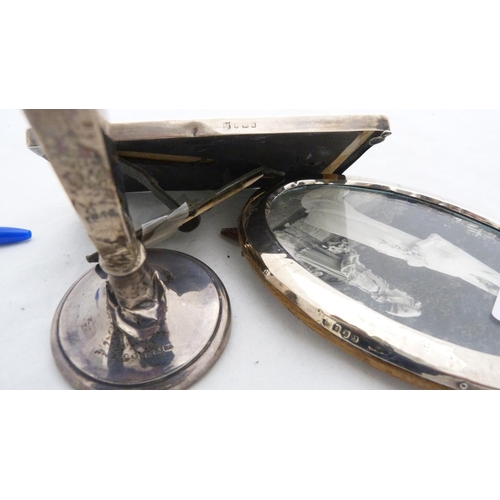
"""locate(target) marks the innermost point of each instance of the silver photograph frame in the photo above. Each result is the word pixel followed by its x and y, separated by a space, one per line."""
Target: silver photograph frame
pixel 419 357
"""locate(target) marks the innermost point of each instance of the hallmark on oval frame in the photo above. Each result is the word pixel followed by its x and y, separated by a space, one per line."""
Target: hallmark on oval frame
pixel 407 279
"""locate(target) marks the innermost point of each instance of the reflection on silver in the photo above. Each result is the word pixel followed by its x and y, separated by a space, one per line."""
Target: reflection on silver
pixel 396 276
pixel 96 347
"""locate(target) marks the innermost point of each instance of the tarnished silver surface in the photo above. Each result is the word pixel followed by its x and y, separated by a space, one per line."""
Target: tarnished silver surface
pixel 208 154
pixel 76 144
pixel 156 130
pixel 94 351
pixel 247 126
pixel 449 341
pixel 116 332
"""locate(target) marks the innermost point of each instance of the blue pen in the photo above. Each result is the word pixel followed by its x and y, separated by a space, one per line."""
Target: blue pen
pixel 13 235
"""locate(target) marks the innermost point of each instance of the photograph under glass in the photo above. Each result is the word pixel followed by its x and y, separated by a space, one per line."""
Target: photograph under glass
pixel 419 264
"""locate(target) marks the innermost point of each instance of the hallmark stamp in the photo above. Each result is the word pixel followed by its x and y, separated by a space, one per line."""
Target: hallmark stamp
pixel 340 330
pixel 236 125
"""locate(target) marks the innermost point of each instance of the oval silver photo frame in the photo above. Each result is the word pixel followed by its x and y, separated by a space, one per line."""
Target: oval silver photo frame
pixel 403 281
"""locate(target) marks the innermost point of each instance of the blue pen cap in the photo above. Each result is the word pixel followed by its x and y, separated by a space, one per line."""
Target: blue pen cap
pixel 13 235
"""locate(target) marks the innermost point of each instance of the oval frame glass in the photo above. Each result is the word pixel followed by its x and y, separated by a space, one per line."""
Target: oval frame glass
pixel 342 285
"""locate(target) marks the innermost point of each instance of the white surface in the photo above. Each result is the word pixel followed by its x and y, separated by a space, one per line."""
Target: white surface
pixel 450 154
